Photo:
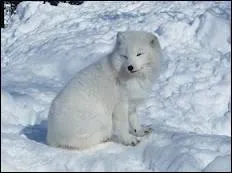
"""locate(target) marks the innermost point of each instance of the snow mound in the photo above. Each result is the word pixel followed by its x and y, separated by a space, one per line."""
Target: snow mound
pixel 189 108
pixel 220 163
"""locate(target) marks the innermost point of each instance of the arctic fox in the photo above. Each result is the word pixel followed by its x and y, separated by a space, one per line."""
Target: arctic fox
pixel 100 101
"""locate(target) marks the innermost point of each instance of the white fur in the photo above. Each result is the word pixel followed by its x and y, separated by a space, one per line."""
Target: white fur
pixel 101 99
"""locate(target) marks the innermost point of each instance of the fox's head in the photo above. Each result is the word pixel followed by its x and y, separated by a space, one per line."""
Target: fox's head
pixel 137 50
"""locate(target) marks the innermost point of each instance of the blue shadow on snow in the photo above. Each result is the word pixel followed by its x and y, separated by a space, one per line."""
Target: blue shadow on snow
pixel 36 132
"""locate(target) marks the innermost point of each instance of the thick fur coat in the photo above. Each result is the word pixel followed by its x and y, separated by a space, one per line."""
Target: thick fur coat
pixel 100 101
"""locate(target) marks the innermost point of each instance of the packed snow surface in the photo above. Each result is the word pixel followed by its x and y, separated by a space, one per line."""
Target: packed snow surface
pixel 189 108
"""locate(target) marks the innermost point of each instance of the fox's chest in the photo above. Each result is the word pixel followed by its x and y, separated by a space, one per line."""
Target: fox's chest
pixel 139 88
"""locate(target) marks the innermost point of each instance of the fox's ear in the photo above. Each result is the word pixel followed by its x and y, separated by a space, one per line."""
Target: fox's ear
pixel 120 36
pixel 153 41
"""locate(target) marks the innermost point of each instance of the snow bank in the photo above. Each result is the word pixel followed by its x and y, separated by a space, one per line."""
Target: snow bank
pixel 184 152
pixel 220 163
pixel 189 109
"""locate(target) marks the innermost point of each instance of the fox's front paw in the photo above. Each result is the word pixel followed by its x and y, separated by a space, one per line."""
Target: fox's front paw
pixel 142 131
pixel 130 140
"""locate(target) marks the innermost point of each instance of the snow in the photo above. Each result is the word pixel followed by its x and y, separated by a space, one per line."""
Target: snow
pixel 221 163
pixel 189 108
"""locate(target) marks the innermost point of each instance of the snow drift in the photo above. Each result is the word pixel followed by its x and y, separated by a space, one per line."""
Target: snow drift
pixel 189 108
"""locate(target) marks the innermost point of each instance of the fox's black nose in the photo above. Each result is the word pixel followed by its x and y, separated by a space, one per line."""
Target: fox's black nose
pixel 130 67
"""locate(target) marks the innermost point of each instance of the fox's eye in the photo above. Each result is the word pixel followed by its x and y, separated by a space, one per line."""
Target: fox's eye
pixel 124 56
pixel 138 54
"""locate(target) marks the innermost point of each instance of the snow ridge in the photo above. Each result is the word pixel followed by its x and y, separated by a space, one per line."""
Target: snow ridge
pixel 190 106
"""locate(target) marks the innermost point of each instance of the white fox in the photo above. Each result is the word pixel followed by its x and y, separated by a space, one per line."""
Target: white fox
pixel 101 100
